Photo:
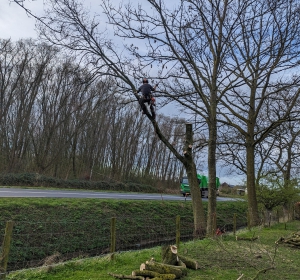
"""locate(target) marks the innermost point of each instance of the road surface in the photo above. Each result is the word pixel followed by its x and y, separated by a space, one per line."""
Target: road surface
pixel 22 192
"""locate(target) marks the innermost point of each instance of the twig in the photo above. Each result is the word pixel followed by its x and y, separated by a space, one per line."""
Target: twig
pixel 262 271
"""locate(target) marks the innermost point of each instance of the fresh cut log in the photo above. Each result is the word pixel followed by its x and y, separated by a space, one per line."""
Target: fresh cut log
pixel 162 268
pixel 169 254
pixel 190 263
pixel 153 275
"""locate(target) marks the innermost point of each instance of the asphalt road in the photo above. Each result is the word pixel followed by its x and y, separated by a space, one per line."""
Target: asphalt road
pixel 20 192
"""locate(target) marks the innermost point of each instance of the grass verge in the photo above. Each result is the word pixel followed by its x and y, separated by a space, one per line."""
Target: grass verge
pixel 220 258
pixel 81 227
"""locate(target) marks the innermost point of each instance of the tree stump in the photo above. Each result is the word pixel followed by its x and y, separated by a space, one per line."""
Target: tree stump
pixel 169 255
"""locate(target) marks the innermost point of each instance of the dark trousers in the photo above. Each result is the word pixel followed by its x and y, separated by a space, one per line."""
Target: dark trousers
pixel 142 102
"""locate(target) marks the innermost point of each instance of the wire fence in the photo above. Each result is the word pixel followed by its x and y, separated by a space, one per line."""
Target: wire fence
pixel 42 243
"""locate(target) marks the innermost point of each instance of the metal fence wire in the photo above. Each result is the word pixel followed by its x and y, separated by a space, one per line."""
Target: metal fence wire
pixel 40 243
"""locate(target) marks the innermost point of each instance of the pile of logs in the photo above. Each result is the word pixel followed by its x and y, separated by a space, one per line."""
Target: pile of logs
pixel 293 240
pixel 173 266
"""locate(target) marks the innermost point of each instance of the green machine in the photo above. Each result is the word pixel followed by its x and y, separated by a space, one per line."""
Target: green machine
pixel 203 184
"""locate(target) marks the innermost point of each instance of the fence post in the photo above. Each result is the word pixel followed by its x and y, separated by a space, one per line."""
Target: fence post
pixel 112 237
pixel 234 223
pixel 5 249
pixel 263 219
pixel 293 212
pixel 270 218
pixel 177 231
pixel 248 220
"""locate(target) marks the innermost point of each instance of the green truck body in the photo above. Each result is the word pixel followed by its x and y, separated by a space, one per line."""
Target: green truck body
pixel 203 184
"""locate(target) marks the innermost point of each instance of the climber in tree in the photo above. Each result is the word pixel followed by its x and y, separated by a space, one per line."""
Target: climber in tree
pixel 147 96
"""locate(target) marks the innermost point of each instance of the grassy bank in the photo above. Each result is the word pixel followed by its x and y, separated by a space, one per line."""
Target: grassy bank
pixel 220 258
pixel 81 227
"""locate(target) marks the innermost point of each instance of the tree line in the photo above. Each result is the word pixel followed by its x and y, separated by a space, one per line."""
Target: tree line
pixel 57 120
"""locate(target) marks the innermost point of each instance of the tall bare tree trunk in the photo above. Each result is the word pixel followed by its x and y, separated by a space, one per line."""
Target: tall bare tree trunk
pixel 198 212
pixel 251 189
pixel 212 194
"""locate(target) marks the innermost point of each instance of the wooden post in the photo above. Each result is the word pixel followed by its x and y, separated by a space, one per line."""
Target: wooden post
pixel 113 237
pixel 248 220
pixel 293 212
pixel 177 231
pixel 234 223
pixel 5 249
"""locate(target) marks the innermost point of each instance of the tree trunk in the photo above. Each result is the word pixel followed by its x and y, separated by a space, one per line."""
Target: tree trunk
pixel 189 263
pixel 153 275
pixel 251 189
pixel 122 276
pixel 198 210
pixel 169 254
pixel 212 194
pixel 161 268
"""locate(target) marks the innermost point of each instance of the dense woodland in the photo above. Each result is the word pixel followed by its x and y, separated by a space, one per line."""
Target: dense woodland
pixel 56 120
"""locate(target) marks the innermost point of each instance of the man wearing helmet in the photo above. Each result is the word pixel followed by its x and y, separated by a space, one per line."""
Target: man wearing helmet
pixel 146 90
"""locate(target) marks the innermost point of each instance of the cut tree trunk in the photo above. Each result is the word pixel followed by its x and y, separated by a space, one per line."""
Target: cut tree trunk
pixel 181 263
pixel 169 254
pixel 162 268
pixel 165 277
pixel 172 267
pixel 122 276
pixel 190 263
pixel 293 240
pixel 145 273
pixel 153 275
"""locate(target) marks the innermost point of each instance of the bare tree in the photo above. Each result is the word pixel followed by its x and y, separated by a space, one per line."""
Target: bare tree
pixel 264 49
pixel 67 24
pixel 193 41
pixel 62 109
pixel 23 67
pixel 279 152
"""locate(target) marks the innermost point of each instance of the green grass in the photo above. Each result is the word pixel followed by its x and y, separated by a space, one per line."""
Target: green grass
pixel 75 227
pixel 220 258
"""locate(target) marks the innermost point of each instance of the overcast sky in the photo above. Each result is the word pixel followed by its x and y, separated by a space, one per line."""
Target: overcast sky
pixel 15 23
